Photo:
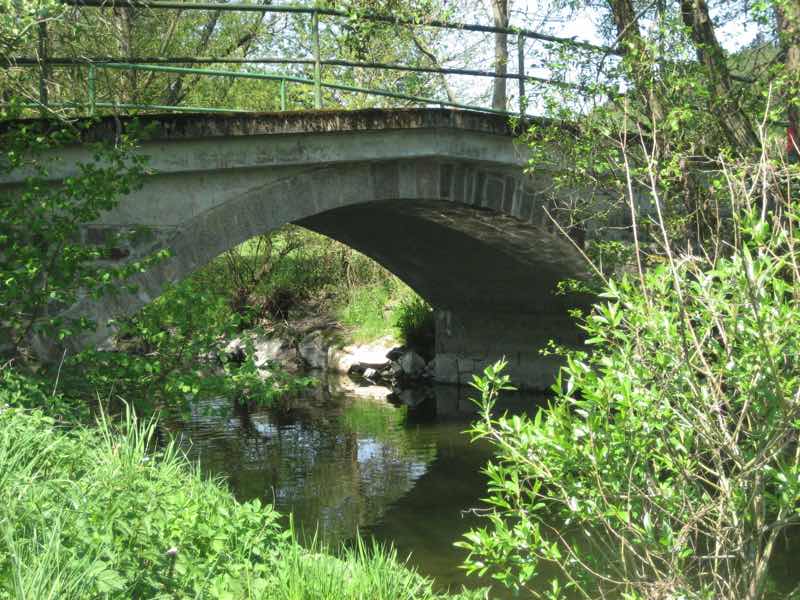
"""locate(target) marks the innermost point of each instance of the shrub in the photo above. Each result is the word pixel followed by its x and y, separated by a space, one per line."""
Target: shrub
pixel 169 351
pixel 415 322
pixel 44 263
pixel 667 466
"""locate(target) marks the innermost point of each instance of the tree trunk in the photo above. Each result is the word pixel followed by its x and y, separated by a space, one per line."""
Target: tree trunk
pixel 175 91
pixel 500 15
pixel 451 96
pixel 629 36
pixel 789 32
pixel 736 125
pixel 123 20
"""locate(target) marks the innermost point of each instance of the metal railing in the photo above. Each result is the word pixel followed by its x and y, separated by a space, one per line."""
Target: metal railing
pixel 160 64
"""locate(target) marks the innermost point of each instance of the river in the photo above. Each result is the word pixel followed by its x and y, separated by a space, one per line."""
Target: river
pixel 342 463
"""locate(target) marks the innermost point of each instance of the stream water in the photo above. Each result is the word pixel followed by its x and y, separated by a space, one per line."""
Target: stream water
pixel 342 463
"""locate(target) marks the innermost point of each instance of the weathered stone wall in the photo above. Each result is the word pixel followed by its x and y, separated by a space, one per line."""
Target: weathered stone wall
pixel 468 342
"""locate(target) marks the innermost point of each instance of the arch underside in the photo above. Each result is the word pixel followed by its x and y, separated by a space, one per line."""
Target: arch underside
pixel 491 278
pixel 472 240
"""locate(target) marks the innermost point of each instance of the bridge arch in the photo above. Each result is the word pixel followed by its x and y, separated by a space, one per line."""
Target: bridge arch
pixel 438 197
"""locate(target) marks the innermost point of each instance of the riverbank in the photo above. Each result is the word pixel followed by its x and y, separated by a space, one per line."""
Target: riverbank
pixel 112 511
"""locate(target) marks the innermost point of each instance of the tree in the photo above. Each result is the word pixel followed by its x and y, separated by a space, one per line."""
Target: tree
pixel 44 263
pixel 787 15
pixel 672 103
pixel 139 33
pixel 500 16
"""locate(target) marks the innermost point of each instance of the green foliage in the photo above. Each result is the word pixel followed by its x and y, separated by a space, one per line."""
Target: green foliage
pixel 667 109
pixel 274 275
pixel 667 465
pixel 292 271
pixel 45 264
pixel 363 310
pixel 28 391
pixel 19 20
pixel 169 353
pixel 233 35
pixel 416 324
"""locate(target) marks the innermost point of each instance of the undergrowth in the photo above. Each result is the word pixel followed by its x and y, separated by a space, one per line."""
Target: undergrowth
pixel 292 272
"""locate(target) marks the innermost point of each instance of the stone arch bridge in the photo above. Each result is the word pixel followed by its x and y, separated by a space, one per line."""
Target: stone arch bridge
pixel 438 197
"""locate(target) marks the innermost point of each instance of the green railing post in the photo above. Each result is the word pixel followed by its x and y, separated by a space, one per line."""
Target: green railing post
pixel 283 94
pixel 521 72
pixel 44 71
pixel 92 96
pixel 317 64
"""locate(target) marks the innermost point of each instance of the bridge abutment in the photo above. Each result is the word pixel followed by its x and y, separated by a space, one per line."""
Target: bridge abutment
pixel 467 342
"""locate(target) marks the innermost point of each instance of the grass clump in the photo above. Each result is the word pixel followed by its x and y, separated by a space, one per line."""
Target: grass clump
pixel 415 323
pixel 363 571
pixel 102 513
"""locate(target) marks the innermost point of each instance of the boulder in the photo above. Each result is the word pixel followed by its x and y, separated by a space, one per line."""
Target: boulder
pixel 412 364
pixel 264 349
pixel 395 353
pixel 430 369
pixel 313 349
pixel 275 349
pixel 358 358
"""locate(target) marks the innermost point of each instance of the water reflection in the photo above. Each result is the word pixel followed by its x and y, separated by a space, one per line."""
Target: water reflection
pixel 335 461
pixel 342 463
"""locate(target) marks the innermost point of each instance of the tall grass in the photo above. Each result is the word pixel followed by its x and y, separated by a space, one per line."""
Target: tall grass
pixel 364 571
pixel 415 324
pixel 88 513
pixel 363 310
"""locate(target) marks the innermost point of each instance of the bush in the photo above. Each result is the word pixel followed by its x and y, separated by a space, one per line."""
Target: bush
pixel 416 325
pixel 667 466
pixel 169 347
pixel 45 267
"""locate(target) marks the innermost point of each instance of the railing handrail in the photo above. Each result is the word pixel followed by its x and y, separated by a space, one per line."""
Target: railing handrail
pixel 274 60
pixel 165 64
pixel 332 12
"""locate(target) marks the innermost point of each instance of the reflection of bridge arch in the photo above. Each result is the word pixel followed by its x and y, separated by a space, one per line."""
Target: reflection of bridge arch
pixel 439 197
